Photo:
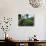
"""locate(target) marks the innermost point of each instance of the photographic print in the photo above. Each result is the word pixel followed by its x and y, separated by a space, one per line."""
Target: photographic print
pixel 25 20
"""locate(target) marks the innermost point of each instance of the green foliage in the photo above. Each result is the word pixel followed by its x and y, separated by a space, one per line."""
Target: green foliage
pixel 27 22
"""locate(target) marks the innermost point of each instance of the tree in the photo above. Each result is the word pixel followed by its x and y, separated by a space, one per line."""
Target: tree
pixel 26 15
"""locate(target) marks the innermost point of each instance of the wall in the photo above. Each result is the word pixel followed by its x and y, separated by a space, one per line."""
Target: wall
pixel 11 8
